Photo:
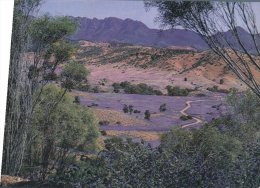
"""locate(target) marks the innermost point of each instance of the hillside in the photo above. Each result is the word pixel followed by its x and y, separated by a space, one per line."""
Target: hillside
pixel 158 67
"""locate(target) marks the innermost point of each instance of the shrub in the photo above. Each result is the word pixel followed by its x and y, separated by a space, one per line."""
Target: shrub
pixel 216 89
pixel 105 122
pixel 163 108
pixel 59 126
pixel 185 118
pixel 130 108
pixel 221 81
pixel 51 76
pixel 73 74
pixel 96 89
pixel 141 88
pixel 200 95
pixel 82 87
pixel 76 100
pixel 125 84
pixel 103 133
pixel 177 91
pixel 116 90
pixel 147 114
pixel 137 111
pixel 93 105
pixel 125 109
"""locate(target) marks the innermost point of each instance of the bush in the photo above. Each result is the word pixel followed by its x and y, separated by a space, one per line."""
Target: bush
pixel 73 74
pixel 130 108
pixel 125 84
pixel 163 108
pixel 125 109
pixel 59 126
pixel 137 112
pixel 51 76
pixel 200 95
pixel 216 89
pixel 96 89
pixel 76 100
pixel 185 118
pixel 103 133
pixel 147 114
pixel 82 87
pixel 93 105
pixel 141 88
pixel 177 91
pixel 105 122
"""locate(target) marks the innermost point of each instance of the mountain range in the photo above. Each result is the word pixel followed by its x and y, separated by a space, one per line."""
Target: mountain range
pixel 130 31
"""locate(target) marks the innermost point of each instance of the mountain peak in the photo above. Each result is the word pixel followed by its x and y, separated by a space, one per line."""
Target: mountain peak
pixel 135 32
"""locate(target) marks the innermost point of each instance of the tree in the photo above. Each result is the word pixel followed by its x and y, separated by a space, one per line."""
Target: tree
pixel 30 73
pixel 210 20
pixel 19 96
pixel 53 135
pixel 73 74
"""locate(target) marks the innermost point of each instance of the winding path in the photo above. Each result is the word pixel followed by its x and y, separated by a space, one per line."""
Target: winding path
pixel 183 112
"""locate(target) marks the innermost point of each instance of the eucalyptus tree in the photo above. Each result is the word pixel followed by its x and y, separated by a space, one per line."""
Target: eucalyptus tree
pixel 39 45
pixel 18 107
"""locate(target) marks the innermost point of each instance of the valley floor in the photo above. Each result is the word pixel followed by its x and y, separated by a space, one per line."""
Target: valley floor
pixel 108 107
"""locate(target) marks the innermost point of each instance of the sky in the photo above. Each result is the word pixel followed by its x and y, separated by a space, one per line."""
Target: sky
pixel 101 9
pixel 110 8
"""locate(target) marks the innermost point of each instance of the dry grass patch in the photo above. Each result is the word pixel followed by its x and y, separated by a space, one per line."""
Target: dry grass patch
pixel 146 136
pixel 117 118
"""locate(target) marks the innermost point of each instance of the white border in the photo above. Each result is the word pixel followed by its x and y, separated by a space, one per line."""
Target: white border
pixel 6 17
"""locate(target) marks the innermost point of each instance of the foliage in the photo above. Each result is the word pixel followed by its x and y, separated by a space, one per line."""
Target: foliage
pixel 185 118
pixel 177 91
pixel 19 97
pixel 90 51
pixel 73 74
pixel 163 108
pixel 59 127
pixel 77 100
pixel 147 114
pixel 220 154
pixel 125 108
pixel 141 88
pixel 105 122
pixel 129 108
pixel 49 30
pixel 201 158
pixel 216 89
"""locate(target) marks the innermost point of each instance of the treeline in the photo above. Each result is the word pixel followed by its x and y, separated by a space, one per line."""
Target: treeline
pixel 144 89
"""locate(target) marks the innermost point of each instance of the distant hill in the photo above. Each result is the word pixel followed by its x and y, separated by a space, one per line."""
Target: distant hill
pixel 137 33
pixel 157 67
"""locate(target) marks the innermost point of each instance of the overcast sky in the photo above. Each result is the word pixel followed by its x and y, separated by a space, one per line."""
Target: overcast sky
pixel 109 8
